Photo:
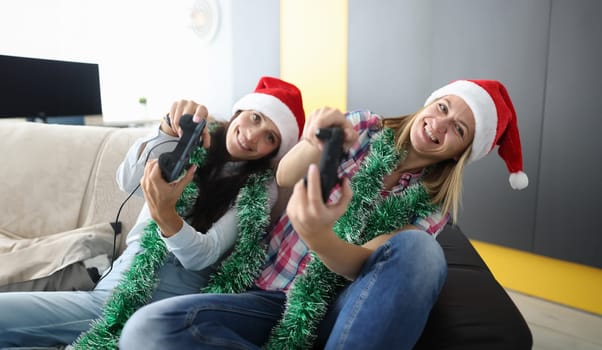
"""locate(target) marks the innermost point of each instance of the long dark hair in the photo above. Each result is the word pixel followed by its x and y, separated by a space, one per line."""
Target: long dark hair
pixel 217 192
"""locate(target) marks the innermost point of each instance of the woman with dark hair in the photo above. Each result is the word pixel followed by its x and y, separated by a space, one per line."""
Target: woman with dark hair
pixel 185 227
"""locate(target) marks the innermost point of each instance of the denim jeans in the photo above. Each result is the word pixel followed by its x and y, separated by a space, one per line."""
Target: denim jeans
pixel 386 307
pixel 44 319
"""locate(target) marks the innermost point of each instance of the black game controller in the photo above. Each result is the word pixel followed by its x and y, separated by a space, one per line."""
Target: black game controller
pixel 172 163
pixel 330 160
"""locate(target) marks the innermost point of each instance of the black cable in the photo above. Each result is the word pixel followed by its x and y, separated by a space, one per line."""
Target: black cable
pixel 117 224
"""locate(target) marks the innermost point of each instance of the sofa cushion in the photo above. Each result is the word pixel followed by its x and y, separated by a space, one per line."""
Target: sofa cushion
pixel 103 197
pixel 73 277
pixel 34 258
pixel 58 194
pixel 45 174
pixel 473 310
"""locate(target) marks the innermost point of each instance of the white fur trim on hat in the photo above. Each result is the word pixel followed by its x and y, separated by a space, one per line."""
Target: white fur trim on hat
pixel 278 112
pixel 483 109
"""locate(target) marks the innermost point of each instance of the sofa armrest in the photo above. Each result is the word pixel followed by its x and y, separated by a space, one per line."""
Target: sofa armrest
pixel 473 311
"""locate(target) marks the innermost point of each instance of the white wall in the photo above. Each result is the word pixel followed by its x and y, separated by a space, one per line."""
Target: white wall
pixel 143 48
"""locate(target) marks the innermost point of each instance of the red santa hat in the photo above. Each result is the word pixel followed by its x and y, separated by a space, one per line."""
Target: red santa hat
pixel 495 123
pixel 282 103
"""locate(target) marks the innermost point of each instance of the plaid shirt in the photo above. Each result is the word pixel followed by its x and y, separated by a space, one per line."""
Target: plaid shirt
pixel 287 253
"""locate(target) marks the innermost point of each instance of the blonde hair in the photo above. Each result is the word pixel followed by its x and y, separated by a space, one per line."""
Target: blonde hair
pixel 443 180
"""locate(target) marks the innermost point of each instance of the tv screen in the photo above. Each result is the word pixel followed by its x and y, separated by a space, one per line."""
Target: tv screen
pixel 33 87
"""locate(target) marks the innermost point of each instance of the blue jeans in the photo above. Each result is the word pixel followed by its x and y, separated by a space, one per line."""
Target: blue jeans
pixel 44 319
pixel 386 307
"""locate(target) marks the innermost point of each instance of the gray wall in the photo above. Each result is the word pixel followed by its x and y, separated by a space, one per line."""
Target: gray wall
pixel 548 54
pixel 256 43
pixel 568 208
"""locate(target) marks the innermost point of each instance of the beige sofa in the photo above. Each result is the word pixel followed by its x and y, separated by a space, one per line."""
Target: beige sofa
pixel 58 198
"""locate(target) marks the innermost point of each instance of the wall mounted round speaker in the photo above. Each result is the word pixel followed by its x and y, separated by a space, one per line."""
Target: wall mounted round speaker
pixel 204 19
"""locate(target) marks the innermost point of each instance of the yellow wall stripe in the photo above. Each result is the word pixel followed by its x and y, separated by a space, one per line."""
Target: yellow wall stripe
pixel 567 283
pixel 313 50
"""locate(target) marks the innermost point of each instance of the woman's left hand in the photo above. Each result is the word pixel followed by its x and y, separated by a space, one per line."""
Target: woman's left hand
pixel 328 117
pixel 161 197
pixel 180 108
pixel 311 217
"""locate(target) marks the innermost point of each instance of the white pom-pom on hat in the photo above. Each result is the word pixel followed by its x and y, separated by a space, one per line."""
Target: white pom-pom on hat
pixel 519 180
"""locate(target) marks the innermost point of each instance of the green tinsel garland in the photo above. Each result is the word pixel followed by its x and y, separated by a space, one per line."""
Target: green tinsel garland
pixel 238 271
pixel 310 294
pixel 138 283
pixel 308 299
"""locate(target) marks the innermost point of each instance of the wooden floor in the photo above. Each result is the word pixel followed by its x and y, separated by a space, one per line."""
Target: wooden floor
pixel 557 327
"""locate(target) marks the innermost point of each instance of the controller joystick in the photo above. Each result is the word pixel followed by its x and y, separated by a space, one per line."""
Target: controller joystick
pixel 173 163
pixel 331 158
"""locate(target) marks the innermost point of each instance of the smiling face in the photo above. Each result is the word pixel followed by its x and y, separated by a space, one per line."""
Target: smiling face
pixel 443 130
pixel 251 135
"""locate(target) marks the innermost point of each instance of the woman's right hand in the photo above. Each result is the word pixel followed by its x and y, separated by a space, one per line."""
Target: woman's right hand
pixel 161 197
pixel 180 108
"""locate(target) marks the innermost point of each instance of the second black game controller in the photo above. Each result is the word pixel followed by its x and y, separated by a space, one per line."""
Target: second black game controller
pixel 330 159
pixel 173 163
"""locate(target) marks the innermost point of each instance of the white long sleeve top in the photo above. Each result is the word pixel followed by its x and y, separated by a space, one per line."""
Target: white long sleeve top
pixel 195 250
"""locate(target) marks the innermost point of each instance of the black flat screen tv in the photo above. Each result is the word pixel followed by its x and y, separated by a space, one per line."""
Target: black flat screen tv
pixel 41 88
